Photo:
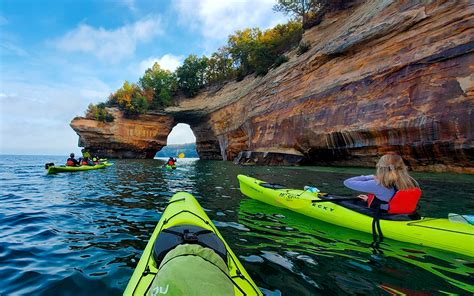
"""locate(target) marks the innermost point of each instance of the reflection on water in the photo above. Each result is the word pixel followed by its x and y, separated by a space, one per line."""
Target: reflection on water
pixel 344 258
pixel 83 233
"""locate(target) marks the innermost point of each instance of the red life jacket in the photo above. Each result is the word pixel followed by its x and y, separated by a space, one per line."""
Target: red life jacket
pixel 403 202
pixel 70 163
pixel 85 163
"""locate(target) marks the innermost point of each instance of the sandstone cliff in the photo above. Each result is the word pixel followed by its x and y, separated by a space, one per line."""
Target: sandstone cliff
pixel 380 76
pixel 124 138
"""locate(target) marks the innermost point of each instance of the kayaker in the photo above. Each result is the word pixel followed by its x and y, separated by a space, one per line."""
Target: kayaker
pixel 71 161
pixel 171 161
pixel 87 161
pixel 391 177
pixel 85 153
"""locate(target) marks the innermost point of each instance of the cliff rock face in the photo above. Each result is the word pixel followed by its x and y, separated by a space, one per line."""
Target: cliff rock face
pixel 124 138
pixel 381 76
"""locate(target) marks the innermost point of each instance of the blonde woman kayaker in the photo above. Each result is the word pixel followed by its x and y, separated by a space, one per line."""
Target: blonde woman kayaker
pixel 391 190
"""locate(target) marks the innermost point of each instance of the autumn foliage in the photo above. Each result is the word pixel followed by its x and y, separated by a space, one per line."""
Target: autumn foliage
pixel 250 51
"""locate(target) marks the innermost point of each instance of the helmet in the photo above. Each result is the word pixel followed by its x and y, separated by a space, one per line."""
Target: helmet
pixel 71 155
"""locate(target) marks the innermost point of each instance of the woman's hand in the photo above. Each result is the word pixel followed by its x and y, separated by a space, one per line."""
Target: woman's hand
pixel 363 197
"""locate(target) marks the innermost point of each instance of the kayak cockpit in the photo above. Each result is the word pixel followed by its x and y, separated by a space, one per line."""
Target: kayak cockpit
pixel 360 206
pixel 355 205
pixel 172 237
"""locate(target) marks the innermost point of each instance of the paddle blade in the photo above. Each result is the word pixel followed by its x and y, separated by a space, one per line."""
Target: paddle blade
pixel 181 155
pixel 458 218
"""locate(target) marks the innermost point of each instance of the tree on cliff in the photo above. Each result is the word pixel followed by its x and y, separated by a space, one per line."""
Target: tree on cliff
pixel 98 112
pixel 219 66
pixel 301 9
pixel 130 99
pixel 255 51
pixel 241 45
pixel 192 75
pixel 158 85
pixel 247 51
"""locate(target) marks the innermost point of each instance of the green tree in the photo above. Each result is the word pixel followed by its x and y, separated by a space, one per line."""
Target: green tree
pixel 241 45
pixel 138 105
pixel 247 51
pixel 299 8
pixel 256 51
pixel 158 85
pixel 191 75
pixel 219 66
pixel 130 98
pixel 98 112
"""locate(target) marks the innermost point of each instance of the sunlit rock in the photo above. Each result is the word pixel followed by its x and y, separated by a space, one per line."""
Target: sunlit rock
pixel 380 76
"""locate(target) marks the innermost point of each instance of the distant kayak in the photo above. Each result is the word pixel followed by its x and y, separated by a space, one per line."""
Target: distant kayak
pixel 186 255
pixel 438 233
pixel 170 167
pixel 53 169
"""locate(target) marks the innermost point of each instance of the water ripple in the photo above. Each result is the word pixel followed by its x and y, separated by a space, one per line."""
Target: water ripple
pixel 84 232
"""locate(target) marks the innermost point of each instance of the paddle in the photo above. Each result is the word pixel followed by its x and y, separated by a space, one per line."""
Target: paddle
pixel 334 199
pixel 296 201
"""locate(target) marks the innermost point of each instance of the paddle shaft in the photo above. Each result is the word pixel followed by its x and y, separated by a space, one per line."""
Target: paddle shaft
pixel 334 199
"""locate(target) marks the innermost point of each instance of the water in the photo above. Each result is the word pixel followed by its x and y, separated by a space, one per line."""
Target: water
pixel 83 233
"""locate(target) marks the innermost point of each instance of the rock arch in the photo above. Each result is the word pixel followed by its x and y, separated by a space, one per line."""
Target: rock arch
pixel 372 85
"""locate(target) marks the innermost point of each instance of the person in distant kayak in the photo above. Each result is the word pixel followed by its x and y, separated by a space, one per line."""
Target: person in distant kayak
pixel 171 161
pixel 391 190
pixel 85 154
pixel 87 161
pixel 71 161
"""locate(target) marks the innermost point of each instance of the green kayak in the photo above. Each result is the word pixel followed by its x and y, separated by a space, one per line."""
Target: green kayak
pixel 186 255
pixel 63 169
pixel 170 167
pixel 440 233
pixel 292 230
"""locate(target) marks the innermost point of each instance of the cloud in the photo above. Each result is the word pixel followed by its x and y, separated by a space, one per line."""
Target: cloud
pixel 168 62
pixel 11 49
pixel 217 19
pixel 110 45
pixel 130 4
pixel 37 116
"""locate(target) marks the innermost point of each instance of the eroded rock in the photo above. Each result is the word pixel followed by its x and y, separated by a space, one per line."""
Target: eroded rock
pixel 124 138
pixel 381 76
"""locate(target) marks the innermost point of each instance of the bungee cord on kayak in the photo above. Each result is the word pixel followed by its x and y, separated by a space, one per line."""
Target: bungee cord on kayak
pixel 185 240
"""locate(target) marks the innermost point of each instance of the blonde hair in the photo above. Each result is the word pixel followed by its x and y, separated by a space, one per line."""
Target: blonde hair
pixel 392 172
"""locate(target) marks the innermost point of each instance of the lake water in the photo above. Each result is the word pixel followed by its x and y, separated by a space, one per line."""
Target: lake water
pixel 83 233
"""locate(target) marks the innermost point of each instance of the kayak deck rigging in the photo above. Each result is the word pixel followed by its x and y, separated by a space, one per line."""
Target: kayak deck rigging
pixel 184 212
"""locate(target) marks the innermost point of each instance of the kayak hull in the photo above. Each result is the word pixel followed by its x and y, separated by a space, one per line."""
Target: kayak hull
pixel 184 209
pixel 69 169
pixel 432 232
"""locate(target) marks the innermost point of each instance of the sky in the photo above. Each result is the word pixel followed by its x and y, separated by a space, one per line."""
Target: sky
pixel 57 57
